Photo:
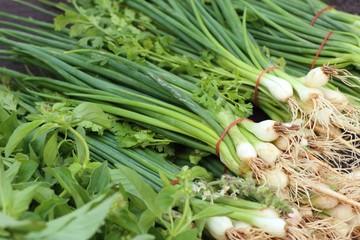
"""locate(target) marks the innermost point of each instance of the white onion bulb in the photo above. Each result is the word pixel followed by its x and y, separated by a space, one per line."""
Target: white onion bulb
pixel 316 78
pixel 217 227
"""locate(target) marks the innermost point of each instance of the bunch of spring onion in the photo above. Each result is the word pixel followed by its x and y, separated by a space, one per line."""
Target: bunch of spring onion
pixel 300 52
pixel 298 36
pixel 281 36
pixel 342 94
pixel 320 14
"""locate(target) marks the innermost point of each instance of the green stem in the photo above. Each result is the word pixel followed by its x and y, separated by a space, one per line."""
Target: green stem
pixel 84 144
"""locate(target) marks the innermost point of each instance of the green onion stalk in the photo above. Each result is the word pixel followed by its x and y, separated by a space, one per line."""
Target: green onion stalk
pixel 237 43
pixel 140 108
pixel 330 18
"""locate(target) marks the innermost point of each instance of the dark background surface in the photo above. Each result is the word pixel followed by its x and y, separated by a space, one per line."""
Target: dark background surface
pixel 10 6
pixel 351 6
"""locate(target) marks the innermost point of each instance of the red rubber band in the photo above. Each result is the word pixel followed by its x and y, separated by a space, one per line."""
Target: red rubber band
pixel 174 182
pixel 237 121
pixel 256 90
pixel 225 170
pixel 317 15
pixel 320 48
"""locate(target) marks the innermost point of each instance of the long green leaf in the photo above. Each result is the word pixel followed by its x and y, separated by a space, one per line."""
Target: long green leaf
pixel 99 179
pixel 7 127
pixel 136 186
pixel 22 199
pixel 13 225
pixel 63 176
pixel 50 152
pixel 146 221
pixel 81 224
pixel 6 191
pixel 19 134
pixel 212 211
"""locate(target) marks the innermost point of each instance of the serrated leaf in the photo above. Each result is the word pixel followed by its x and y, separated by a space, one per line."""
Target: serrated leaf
pixel 69 17
pixel 8 100
pixel 27 169
pixel 81 224
pixel 78 29
pixel 75 168
pixel 92 113
pixel 65 179
pixel 99 179
pixel 97 42
pixel 81 145
pixel 13 225
pixel 144 237
pixel 146 221
pixel 12 171
pixel 19 134
pixel 135 185
pixel 22 199
pixel 50 153
pixel 6 191
pixel 46 207
pixel 7 127
pixel 44 129
pixel 187 234
pixel 165 198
